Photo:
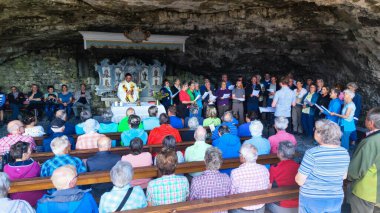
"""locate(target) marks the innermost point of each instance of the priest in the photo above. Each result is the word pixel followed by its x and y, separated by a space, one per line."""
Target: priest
pixel 128 91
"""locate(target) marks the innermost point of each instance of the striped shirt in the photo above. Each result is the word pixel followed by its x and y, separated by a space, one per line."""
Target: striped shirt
pixel 88 141
pixel 325 168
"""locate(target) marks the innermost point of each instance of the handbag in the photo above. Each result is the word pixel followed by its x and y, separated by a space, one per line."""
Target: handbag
pixel 124 199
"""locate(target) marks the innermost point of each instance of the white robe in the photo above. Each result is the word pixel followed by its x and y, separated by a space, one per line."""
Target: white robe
pixel 121 94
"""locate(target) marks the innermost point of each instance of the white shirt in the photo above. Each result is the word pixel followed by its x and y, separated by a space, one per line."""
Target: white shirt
pixel 122 94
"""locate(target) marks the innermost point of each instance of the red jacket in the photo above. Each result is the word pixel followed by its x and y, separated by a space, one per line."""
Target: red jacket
pixel 157 135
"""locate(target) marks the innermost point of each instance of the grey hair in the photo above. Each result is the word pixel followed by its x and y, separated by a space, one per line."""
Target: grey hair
pixel 213 158
pixel 249 152
pixel 286 149
pixel 227 116
pixel 13 127
pixel 374 115
pixel 328 131
pixel 281 123
pixel 350 93
pixel 61 114
pixel 256 128
pixel 193 123
pixel 5 184
pixel 59 144
pixel 121 174
pixel 91 125
pixel 200 134
pixel 353 85
pixel 85 114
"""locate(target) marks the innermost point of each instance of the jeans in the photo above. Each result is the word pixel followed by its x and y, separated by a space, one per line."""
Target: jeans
pixel 307 124
pixel 50 109
pixel 36 105
pixel 346 139
pixel 15 110
pixel 319 205
pixel 296 118
pixel 222 109
pixel 68 109
pixel 79 105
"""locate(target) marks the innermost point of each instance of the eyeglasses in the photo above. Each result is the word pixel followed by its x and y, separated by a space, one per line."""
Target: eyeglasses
pixel 72 180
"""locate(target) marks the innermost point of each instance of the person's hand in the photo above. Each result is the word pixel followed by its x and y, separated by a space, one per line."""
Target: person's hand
pixel 304 106
pixel 251 96
pixel 272 93
pixel 64 104
pixel 332 113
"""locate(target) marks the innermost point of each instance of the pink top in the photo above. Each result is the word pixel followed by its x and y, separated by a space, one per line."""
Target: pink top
pixel 275 140
pixel 143 159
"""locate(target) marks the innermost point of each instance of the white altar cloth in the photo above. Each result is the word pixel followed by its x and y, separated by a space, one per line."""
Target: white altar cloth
pixel 119 112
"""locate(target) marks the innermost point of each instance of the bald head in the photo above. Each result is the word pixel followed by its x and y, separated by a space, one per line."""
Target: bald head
pixel 64 177
pixel 15 127
pixel 104 144
pixel 130 111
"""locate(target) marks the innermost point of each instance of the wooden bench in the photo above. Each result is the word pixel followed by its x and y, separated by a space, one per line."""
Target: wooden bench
pixel 225 203
pixel 42 183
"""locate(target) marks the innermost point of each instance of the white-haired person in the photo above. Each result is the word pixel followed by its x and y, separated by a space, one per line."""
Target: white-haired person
pixel 84 116
pixel 57 126
pixel 262 144
pixel 90 139
pixel 69 127
pixel 67 198
pixel 323 170
pixel 193 124
pixel 347 122
pixel 8 205
pixel 15 130
pixel 280 124
pixel 114 200
pixel 197 151
pixel 249 177
pixel 227 121
pixel 353 87
pixel 283 174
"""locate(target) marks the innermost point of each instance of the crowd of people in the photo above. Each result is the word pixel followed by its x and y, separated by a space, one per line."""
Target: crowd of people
pixel 231 112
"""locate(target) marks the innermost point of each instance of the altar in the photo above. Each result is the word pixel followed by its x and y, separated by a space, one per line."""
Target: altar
pixel 119 110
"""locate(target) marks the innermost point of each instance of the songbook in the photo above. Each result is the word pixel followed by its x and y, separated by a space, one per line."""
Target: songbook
pixel 324 108
pixel 212 98
pixel 212 127
pixel 319 107
pixel 197 97
pixel 300 104
pixel 173 96
pixel 226 96
pixel 267 109
pixel 270 90
pixel 204 95
pixel 255 92
pixel 231 87
pixel 240 99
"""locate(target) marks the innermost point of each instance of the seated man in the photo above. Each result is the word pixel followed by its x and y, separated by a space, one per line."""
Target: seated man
pixel 152 121
pixel 90 139
pixel 228 144
pixel 15 129
pixel 58 129
pixel 243 130
pixel 36 104
pixel 134 131
pixel 227 121
pixel 51 102
pixel 61 147
pixel 69 127
pixel 175 122
pixel 123 125
pixel 280 124
pixel 262 144
pixel 82 100
pixel 197 151
pixel 121 176
pixel 205 186
pixel 67 198
pixel 8 205
pixel 97 163
pixel 249 177
pixel 157 135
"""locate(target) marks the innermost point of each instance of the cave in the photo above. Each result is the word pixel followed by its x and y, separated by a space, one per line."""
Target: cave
pixel 331 39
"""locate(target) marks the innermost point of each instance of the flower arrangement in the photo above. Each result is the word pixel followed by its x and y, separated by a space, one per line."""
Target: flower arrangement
pixel 158 96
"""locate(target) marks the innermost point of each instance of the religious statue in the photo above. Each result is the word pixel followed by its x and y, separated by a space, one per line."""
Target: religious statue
pixel 128 92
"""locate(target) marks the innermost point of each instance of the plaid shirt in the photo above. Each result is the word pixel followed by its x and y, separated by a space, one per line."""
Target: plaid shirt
pixel 88 141
pixel 167 189
pixel 249 177
pixel 50 165
pixel 206 186
pixel 111 200
pixel 8 141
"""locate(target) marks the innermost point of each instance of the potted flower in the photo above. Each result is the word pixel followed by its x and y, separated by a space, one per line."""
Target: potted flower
pixel 158 96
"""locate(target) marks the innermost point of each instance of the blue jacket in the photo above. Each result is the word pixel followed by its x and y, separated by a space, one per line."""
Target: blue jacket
pixel 107 128
pixel 167 101
pixel 230 146
pixel 243 130
pixel 176 122
pixel 128 135
pixel 47 141
pixel 150 123
pixel 233 130
pixel 358 104
pixel 3 98
pixel 68 201
pixel 79 129
pixel 314 99
pixel 69 129
pixel 334 106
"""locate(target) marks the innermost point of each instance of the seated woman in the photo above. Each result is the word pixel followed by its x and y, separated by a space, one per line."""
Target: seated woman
pixel 189 134
pixel 243 130
pixel 84 115
pixel 30 127
pixel 211 117
pixel 23 167
pixel 169 188
pixel 8 205
pixel 323 170
pixel 138 158
pixel 65 100
pixel 280 124
pixel 169 142
pixel 134 131
pixel 121 176
pixel 283 174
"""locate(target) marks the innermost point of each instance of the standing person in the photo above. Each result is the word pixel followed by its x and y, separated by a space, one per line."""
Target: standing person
pixel 323 100
pixel 363 169
pixel 35 98
pixel 208 101
pixel 51 102
pixel 82 100
pixel 191 90
pixel 165 90
pixel 309 82
pixel 308 108
pixel 253 99
pixel 283 100
pixel 225 79
pixel 15 99
pixel 175 89
pixel 300 92
pixel 320 84
pixel 3 100
pixel 199 100
pixel 65 99
pixel 271 90
pixel 184 101
pixel 238 98
pixel 358 104
pixel 322 171
pixel 346 121
pixel 335 105
pixel 223 103
pixel 267 80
